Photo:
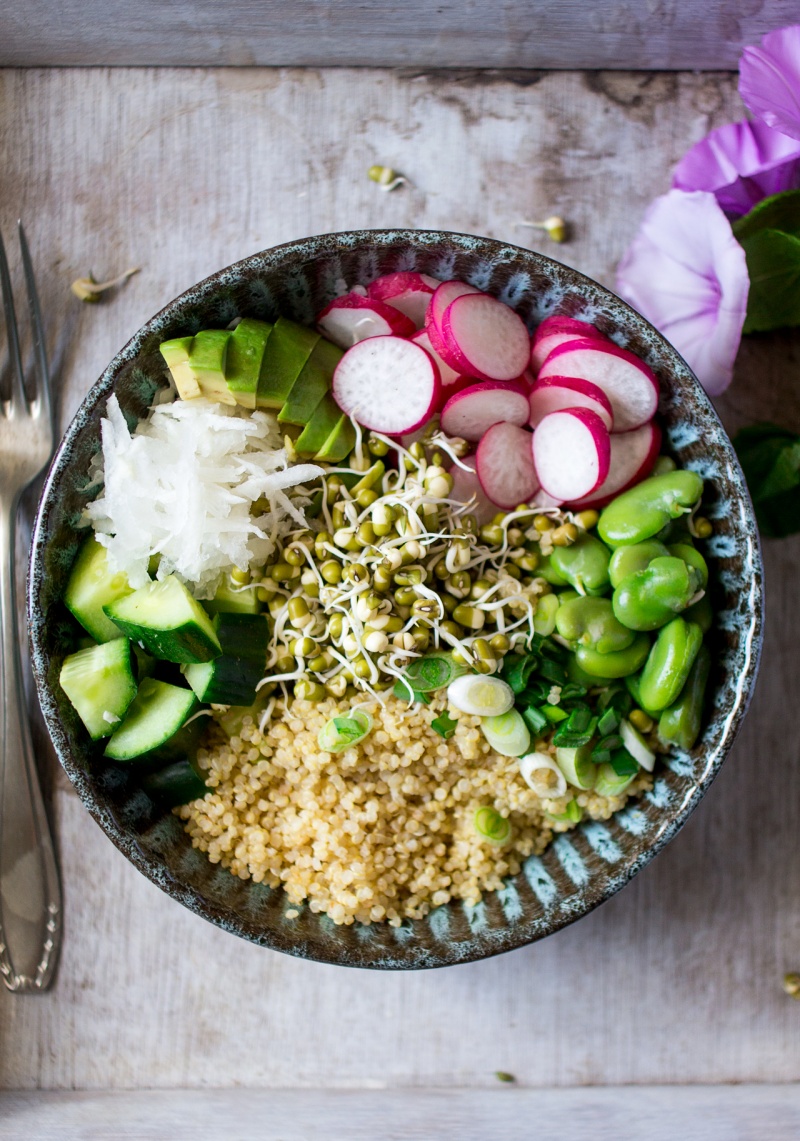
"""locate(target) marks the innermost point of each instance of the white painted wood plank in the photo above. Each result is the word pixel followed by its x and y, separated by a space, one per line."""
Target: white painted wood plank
pixel 675 980
pixel 671 34
pixel 722 1113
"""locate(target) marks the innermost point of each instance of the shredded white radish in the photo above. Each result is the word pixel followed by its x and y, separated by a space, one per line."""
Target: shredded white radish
pixel 183 486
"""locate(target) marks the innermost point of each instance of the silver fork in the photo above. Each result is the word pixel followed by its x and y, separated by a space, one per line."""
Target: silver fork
pixel 30 895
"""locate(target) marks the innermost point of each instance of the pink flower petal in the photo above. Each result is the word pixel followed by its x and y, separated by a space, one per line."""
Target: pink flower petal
pixel 741 163
pixel 686 273
pixel 769 80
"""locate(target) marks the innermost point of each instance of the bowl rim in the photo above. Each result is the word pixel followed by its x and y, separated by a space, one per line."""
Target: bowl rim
pixel 512 936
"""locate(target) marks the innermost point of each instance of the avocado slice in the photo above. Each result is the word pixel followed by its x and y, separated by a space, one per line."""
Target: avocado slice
pixel 203 371
pixel 243 364
pixel 340 442
pixel 176 354
pixel 311 385
pixel 324 419
pixel 288 348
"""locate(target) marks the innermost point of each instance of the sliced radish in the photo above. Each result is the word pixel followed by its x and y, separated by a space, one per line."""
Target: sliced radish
pixel 543 345
pixel 444 295
pixel 627 381
pixel 632 457
pixel 505 465
pixel 484 338
pixel 560 324
pixel 467 486
pixel 571 452
pixel 557 392
pixel 387 384
pixel 353 318
pixel 447 375
pixel 409 292
pixel 471 411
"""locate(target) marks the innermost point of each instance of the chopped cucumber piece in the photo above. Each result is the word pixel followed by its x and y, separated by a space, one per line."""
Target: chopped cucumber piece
pixel 243 364
pixel 231 599
pixel 178 783
pixel 340 442
pixel 313 383
pixel 288 348
pixel 231 679
pixel 100 684
pixel 165 619
pixel 91 586
pixel 157 712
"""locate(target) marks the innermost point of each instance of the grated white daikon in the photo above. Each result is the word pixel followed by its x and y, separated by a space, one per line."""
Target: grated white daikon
pixel 183 487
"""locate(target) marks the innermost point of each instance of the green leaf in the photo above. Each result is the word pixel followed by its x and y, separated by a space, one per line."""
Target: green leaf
pixel 780 212
pixel 773 265
pixel 444 725
pixel 770 459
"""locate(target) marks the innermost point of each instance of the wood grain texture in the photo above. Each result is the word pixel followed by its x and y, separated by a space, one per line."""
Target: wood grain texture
pixel 657 34
pixel 675 980
pixel 722 1113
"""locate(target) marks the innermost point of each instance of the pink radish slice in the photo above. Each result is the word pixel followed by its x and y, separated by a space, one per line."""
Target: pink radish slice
pixel 542 346
pixel 627 381
pixel 470 412
pixel 571 452
pixel 388 384
pixel 446 293
pixel 447 375
pixel 409 292
pixel 484 338
pixel 557 392
pixel 632 457
pixel 505 465
pixel 560 324
pixel 467 487
pixel 353 318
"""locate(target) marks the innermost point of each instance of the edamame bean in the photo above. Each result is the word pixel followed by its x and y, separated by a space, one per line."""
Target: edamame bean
pixel 679 724
pixel 648 599
pixel 643 511
pixel 618 663
pixel 591 622
pixel 584 564
pixel 668 664
pixel 544 619
pixel 632 685
pixel 629 560
pixel 547 570
pixel 692 557
pixel 579 676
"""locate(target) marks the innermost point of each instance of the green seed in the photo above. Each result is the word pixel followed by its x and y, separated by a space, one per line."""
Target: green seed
pixel 542 523
pixel 366 497
pixel 394 625
pixel 381 578
pixel 377 447
pixel 320 539
pixel 307 690
pixel 479 588
pixel 703 528
pixel 331 571
pixel 441 571
pixel 338 516
pixel 409 576
pixel 304 648
pixel 405 596
pixel 365 535
pixel 285 664
pixel 294 557
pixel 336 625
pixel 587 519
pixel 500 643
pixel 299 612
pixel 240 577
pixel 492 534
pixel 565 535
pixel 425 608
pixel 459 584
pixel 322 662
pixel 383 517
pixel 452 628
pixel 355 573
pixel 639 719
pixel 470 617
pixel 449 601
pixel 284 572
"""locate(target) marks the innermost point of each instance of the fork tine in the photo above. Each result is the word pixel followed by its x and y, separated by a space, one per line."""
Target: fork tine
pixel 39 347
pixel 17 386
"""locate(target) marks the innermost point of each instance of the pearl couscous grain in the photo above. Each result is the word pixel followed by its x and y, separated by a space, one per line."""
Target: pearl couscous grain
pixel 381 831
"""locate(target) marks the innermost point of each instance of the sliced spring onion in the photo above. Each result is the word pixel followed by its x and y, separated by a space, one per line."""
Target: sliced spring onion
pixel 507 734
pixel 623 763
pixel 577 766
pixel 444 725
pixel 535 720
pixel 491 826
pixel 609 783
pixel 517 669
pixel 636 745
pixel 432 672
pixel 541 773
pixel 480 695
pixel 578 729
pixel 572 815
pixel 554 672
pixel 607 723
pixel 544 618
pixel 554 713
pixel 404 690
pixel 343 732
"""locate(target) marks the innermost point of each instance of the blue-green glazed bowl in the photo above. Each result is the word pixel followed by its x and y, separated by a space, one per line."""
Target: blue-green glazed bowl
pixel 580 869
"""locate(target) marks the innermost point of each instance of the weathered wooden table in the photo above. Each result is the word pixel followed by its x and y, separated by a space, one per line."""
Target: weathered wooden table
pixel 673 988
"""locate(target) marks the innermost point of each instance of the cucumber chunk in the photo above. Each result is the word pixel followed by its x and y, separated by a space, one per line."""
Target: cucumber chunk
pixel 233 600
pixel 178 783
pixel 157 712
pixel 243 364
pixel 231 679
pixel 93 585
pixel 100 684
pixel 168 623
pixel 311 385
pixel 288 348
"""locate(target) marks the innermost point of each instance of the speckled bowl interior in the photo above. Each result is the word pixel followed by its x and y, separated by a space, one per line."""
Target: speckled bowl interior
pixel 580 869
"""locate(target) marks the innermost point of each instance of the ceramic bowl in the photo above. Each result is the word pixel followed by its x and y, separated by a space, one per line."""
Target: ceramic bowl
pixel 580 869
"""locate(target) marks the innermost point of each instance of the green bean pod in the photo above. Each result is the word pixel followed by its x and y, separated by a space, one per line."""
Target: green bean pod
pixel 618 663
pixel 648 507
pixel 584 564
pixel 679 724
pixel 592 622
pixel 668 663
pixel 649 598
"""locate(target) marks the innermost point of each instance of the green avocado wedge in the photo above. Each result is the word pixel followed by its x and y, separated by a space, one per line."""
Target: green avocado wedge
pixel 324 419
pixel 313 383
pixel 243 365
pixel 287 350
pixel 340 442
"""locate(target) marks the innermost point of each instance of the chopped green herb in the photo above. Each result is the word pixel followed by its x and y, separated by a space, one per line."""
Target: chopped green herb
pixel 623 763
pixel 553 672
pixel 554 713
pixel 535 719
pixel 444 725
pixel 342 732
pixel 573 814
pixel 433 672
pixel 608 722
pixel 491 826
pixel 517 669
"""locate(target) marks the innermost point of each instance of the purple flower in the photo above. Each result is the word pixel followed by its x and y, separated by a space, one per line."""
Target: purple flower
pixel 686 273
pixel 769 80
pixel 741 163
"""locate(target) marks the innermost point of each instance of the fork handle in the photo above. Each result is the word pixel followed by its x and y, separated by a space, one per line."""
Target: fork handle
pixel 30 894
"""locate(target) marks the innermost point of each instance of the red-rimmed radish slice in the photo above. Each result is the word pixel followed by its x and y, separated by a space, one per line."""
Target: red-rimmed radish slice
pixel 467 486
pixel 505 465
pixel 544 343
pixel 443 296
pixel 560 324
pixel 557 392
pixel 409 292
pixel 484 338
pixel 627 381
pixel 571 452
pixel 471 411
pixel 388 384
pixel 632 457
pixel 353 318
pixel 447 375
